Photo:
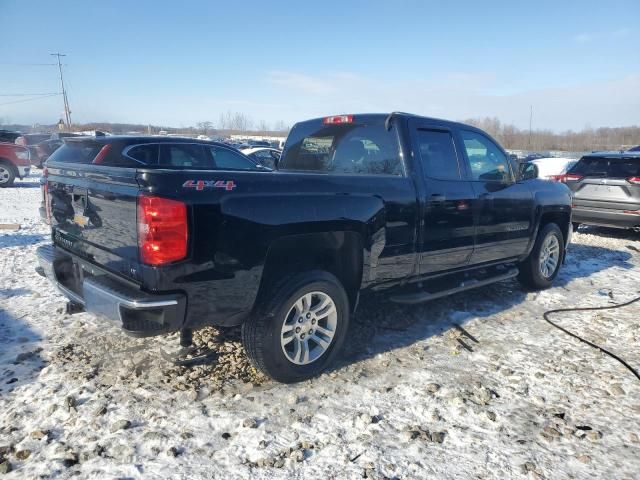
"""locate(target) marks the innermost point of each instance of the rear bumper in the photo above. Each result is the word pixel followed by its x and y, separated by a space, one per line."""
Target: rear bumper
pixel 23 171
pixel 138 313
pixel 605 218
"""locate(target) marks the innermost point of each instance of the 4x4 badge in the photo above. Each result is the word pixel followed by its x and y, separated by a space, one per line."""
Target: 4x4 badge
pixel 202 184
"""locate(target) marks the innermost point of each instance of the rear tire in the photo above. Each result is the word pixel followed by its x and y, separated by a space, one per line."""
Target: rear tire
pixel 311 305
pixel 543 263
pixel 7 174
pixel 575 226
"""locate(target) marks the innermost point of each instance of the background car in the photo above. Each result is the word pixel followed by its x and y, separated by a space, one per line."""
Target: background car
pixel 31 140
pixel 44 149
pixel 553 168
pixel 14 162
pixel 259 143
pixel 535 156
pixel 7 136
pixel 606 190
pixel 268 157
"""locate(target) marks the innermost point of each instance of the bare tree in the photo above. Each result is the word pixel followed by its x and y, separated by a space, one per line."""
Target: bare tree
pixel 263 126
pixel 280 126
pixel 204 126
pixel 241 122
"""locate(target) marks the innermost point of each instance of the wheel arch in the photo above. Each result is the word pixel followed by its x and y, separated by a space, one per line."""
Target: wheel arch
pixel 339 253
pixel 561 218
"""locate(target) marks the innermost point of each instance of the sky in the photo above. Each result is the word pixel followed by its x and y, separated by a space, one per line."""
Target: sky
pixel 576 63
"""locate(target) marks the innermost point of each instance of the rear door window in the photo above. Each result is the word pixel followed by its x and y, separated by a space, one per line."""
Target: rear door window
pixel 351 148
pixel 438 155
pixel 145 154
pixel 184 155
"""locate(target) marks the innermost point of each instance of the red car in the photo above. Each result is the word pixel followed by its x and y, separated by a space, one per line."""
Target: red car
pixel 14 162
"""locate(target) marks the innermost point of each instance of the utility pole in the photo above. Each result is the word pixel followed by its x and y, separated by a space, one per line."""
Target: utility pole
pixel 530 121
pixel 67 111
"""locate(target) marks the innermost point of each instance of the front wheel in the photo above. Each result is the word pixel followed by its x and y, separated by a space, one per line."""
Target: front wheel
pixel 7 175
pixel 300 327
pixel 543 263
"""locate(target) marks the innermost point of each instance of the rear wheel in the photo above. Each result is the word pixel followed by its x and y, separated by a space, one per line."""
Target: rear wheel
pixel 575 226
pixel 543 263
pixel 7 174
pixel 299 329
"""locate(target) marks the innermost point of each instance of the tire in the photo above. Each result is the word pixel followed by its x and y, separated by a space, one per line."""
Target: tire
pixel 575 226
pixel 532 273
pixel 282 310
pixel 7 174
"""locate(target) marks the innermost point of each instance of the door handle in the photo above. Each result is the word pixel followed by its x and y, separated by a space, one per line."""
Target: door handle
pixel 437 197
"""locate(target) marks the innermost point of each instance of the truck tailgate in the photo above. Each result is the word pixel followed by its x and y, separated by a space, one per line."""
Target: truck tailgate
pixel 93 215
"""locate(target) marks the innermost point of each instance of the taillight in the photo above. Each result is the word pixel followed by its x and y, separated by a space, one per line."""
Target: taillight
pixel 46 197
pixel 337 119
pixel 556 178
pixel 104 151
pixel 634 180
pixel 23 154
pixel 162 230
pixel 572 177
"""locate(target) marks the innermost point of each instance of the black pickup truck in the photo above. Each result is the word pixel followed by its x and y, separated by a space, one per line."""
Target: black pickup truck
pixel 168 234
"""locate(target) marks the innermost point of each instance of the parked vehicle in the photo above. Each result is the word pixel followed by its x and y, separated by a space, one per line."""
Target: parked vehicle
pixel 259 143
pixel 7 136
pixel 606 190
pixel 14 163
pixel 268 157
pixel 192 233
pixel 31 140
pixel 634 149
pixel 553 168
pixel 534 156
pixel 45 148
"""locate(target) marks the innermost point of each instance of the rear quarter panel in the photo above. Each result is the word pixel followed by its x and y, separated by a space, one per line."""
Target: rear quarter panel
pixel 232 230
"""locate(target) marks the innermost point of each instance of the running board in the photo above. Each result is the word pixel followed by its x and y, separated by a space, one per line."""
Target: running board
pixel 420 297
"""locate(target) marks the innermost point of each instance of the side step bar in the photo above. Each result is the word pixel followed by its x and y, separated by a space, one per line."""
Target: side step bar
pixel 420 297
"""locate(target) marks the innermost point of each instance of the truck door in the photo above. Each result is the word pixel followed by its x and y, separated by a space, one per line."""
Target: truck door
pixel 505 207
pixel 447 226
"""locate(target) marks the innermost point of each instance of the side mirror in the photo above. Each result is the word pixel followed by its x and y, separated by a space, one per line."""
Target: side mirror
pixel 527 171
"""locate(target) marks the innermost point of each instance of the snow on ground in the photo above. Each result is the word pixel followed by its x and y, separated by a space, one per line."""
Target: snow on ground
pixel 406 400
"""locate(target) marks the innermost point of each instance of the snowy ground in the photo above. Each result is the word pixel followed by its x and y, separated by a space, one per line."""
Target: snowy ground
pixel 405 401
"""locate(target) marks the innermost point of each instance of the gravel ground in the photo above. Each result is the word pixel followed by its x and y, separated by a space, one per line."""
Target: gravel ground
pixel 472 386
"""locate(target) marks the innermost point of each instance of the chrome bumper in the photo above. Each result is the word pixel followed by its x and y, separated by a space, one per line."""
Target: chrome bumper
pixel 23 171
pixel 137 312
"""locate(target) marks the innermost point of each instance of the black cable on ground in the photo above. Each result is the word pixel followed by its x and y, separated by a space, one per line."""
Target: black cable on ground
pixel 591 344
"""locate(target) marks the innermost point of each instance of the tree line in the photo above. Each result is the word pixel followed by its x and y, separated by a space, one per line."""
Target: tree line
pixel 509 136
pixel 587 139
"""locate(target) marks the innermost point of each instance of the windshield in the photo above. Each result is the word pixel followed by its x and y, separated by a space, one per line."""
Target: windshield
pixel 77 152
pixel 607 167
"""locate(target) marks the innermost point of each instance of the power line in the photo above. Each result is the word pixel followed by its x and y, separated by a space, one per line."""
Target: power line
pixel 31 99
pixel 27 94
pixel 17 64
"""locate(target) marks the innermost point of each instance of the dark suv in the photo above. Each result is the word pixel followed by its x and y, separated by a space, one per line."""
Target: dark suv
pixel 606 190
